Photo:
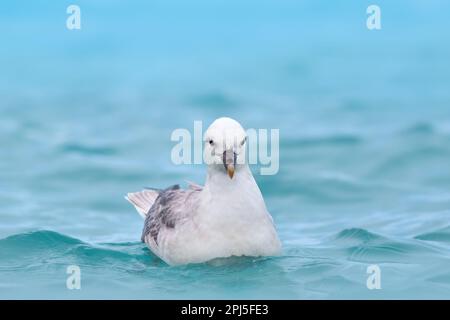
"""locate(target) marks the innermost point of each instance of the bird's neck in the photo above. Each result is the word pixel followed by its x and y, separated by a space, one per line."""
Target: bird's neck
pixel 218 182
pixel 225 197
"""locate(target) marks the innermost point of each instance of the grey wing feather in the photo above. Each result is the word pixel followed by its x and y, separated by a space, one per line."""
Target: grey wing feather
pixel 142 200
pixel 194 186
pixel 170 207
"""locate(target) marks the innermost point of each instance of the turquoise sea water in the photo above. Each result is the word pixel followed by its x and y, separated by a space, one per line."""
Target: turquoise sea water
pixel 364 119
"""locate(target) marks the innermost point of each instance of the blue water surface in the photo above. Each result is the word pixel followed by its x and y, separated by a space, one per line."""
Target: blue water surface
pixel 364 118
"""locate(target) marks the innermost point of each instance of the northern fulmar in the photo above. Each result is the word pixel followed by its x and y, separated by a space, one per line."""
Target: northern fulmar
pixel 226 217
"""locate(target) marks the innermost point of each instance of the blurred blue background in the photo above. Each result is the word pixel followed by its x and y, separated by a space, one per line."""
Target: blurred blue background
pixel 364 119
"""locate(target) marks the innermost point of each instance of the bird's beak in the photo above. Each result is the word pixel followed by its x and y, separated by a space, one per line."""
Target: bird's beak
pixel 229 162
pixel 230 171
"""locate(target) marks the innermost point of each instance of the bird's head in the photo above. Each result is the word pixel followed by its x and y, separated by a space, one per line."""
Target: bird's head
pixel 225 145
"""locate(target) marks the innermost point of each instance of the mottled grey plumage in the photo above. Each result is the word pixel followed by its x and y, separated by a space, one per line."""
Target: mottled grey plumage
pixel 170 207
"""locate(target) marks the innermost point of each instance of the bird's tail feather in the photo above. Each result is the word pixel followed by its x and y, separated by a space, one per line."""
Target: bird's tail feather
pixel 142 200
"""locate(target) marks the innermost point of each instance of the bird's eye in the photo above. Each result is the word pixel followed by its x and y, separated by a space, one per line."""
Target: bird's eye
pixel 211 142
pixel 243 141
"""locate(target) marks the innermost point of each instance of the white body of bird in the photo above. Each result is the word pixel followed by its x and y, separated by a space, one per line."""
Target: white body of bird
pixel 227 217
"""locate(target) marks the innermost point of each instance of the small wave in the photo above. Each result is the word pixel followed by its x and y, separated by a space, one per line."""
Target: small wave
pixel 357 234
pixel 441 235
pixel 44 246
pixel 422 128
pixel 38 239
pixel 322 188
pixel 339 140
pixel 213 99
pixel 443 278
pixel 90 172
pixel 418 155
pixel 364 246
pixel 394 252
pixel 87 150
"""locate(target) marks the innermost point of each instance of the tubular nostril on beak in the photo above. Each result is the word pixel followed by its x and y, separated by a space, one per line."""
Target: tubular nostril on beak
pixel 229 158
pixel 229 162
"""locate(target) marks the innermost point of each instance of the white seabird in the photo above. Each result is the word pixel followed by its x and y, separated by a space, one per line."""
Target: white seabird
pixel 227 217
